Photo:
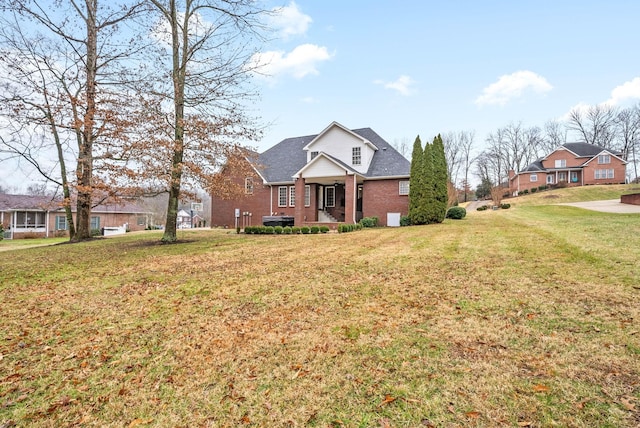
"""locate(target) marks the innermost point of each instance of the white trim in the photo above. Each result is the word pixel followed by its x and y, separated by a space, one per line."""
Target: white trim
pixel 286 194
pixel 307 195
pixel 326 196
pixel 292 196
pixel 336 124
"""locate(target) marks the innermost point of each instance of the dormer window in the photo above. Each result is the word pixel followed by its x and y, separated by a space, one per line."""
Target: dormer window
pixel 356 156
pixel 561 163
pixel 604 159
pixel 313 155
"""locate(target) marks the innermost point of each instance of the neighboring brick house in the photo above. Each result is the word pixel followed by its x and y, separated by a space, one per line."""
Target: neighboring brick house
pixel 336 176
pixel 572 164
pixel 43 216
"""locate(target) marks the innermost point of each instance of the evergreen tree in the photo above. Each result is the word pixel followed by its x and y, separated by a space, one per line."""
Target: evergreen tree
pixel 429 184
pixel 417 213
pixel 440 179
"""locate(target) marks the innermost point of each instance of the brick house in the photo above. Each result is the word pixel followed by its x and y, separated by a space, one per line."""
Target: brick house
pixel 43 216
pixel 572 164
pixel 337 176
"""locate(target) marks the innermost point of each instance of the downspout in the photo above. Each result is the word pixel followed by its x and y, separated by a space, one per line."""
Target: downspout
pixel 270 199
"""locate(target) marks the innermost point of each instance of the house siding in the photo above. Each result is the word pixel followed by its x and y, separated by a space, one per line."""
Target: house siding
pixel 380 197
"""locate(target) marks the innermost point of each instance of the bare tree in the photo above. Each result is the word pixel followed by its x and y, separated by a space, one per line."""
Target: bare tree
pixel 597 126
pixel 555 135
pixel 403 146
pixel 628 135
pixel 208 59
pixel 84 44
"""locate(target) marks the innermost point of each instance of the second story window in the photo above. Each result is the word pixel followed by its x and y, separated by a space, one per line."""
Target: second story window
pixel 561 163
pixel 248 185
pixel 313 155
pixel 356 156
pixel 604 159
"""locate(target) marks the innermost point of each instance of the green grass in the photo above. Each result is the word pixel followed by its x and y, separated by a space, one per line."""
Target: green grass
pixel 519 317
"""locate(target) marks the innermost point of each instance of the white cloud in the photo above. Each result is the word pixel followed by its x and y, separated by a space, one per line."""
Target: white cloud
pixel 402 84
pixel 627 91
pixel 309 100
pixel 289 20
pixel 511 86
pixel 300 62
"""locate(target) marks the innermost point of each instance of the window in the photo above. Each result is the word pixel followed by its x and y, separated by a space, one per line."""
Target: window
pixel 356 156
pixel 330 199
pixel 292 196
pixel 561 163
pixel 141 221
pixel 313 155
pixel 533 177
pixel 61 222
pixel 562 176
pixel 31 219
pixel 403 187
pixel 248 185
pixel 307 195
pixel 602 174
pixel 604 159
pixel 282 196
pixel 549 179
pixel 95 223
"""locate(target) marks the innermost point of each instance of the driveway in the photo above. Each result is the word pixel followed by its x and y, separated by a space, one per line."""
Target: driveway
pixel 608 206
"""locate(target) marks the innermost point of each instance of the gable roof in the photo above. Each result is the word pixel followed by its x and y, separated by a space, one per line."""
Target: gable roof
pixel 583 149
pixel 282 161
pixel 335 124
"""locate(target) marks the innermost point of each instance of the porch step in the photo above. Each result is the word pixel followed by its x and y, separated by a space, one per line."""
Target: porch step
pixel 325 217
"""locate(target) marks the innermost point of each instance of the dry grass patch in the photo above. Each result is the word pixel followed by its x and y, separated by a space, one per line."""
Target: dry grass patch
pixel 523 317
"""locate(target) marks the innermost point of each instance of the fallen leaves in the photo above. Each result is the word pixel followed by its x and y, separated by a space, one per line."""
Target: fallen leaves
pixel 626 402
pixel 540 388
pixel 139 421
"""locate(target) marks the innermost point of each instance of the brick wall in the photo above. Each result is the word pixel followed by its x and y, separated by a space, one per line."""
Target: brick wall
pixel 380 197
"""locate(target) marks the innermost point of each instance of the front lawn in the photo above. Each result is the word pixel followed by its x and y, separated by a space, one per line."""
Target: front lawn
pixel 519 317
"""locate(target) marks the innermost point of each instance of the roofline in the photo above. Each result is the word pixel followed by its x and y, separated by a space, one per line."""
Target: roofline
pixel 344 128
pixel 610 154
pixel 330 158
pixel 386 177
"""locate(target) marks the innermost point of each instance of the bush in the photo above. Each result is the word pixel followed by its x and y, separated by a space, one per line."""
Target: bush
pixel 324 229
pixel 248 230
pixel 561 184
pixel 369 222
pixel 278 230
pixel 238 229
pixel 295 230
pixel 483 208
pixel 305 230
pixel 96 232
pixel 268 230
pixel 543 187
pixel 534 189
pixel 525 192
pixel 1 232
pixel 315 230
pixel 505 206
pixel 456 213
pixel 344 228
pixel 405 220
pixel 287 230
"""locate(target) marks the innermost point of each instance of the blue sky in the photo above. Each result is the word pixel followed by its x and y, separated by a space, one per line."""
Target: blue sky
pixel 426 67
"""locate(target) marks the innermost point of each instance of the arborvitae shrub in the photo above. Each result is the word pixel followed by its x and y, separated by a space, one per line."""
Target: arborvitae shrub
pixel 286 230
pixel 277 230
pixel 456 213
pixel 305 230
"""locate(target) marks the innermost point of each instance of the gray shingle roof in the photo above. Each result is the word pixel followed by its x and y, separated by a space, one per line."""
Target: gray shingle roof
pixel 279 163
pixel 27 202
pixel 584 149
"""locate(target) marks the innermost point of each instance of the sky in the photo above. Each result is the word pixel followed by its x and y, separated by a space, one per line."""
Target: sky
pixel 423 67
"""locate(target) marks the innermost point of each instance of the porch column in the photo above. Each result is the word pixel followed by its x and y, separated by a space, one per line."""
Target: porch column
pixel 299 208
pixel 350 192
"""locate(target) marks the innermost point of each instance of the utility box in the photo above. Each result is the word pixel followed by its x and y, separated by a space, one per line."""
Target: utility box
pixel 393 219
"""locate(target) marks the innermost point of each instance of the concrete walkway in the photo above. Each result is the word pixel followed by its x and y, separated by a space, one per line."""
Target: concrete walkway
pixel 608 206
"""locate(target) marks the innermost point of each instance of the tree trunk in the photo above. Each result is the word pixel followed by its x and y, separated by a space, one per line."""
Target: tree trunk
pixel 85 151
